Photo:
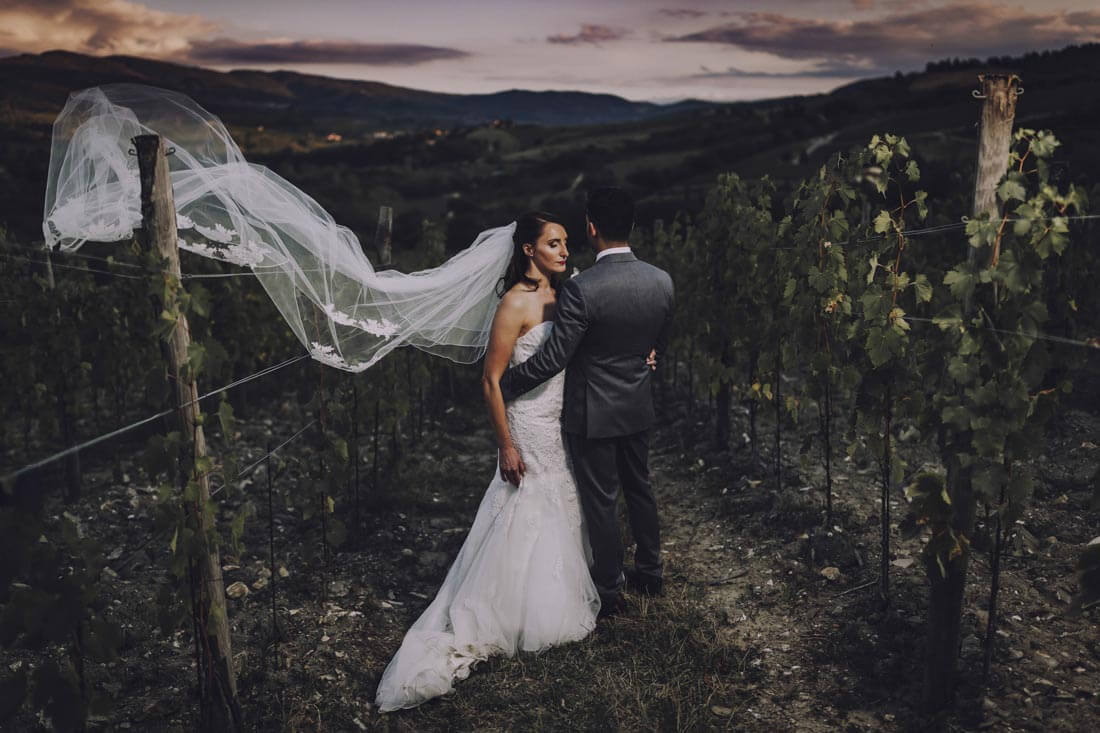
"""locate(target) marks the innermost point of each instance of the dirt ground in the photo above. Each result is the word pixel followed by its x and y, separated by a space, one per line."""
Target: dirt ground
pixel 754 634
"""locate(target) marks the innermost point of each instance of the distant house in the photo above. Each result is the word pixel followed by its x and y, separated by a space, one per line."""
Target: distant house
pixel 334 137
pixel 382 135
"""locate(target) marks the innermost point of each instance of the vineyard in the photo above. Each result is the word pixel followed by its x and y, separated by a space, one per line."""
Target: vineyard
pixel 877 466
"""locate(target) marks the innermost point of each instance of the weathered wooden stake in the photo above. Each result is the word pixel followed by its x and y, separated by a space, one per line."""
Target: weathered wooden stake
pixel 271 554
pixel 374 466
pixel 887 432
pixel 998 95
pixel 158 213
pixel 383 235
pixel 355 442
pixel 64 415
pixel 999 92
pixel 723 402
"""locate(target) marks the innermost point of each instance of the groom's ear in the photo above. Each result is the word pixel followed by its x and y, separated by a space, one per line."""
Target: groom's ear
pixel 590 227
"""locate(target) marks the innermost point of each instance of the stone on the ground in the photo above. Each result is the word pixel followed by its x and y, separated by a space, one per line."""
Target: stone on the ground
pixel 237 590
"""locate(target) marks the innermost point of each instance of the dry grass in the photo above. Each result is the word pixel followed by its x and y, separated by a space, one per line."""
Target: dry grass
pixel 663 665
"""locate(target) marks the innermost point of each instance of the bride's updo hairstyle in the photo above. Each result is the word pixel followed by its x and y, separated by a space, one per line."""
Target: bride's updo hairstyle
pixel 528 229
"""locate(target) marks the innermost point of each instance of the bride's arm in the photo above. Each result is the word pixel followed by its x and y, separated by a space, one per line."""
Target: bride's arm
pixel 502 339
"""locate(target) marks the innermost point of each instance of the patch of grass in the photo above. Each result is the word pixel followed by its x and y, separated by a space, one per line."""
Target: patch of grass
pixel 663 665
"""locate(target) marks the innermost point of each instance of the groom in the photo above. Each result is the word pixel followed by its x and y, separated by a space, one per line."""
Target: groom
pixel 608 319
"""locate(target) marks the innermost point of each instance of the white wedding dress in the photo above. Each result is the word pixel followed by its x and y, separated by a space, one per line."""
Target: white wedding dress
pixel 520 581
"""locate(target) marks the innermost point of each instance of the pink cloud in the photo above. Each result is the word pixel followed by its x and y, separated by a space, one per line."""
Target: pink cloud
pixel 124 27
pixel 682 13
pixel 101 27
pixel 228 51
pixel 590 33
pixel 964 29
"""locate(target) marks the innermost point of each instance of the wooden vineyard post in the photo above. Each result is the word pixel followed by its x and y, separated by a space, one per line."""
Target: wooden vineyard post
pixel 221 710
pixel 355 443
pixel 383 236
pixel 998 97
pixel 65 418
pixel 383 243
pixel 723 402
pixel 999 92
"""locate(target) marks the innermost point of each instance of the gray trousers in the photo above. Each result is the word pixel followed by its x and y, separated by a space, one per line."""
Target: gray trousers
pixel 601 466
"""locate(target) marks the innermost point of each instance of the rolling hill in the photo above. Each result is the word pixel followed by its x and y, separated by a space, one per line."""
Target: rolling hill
pixel 41 83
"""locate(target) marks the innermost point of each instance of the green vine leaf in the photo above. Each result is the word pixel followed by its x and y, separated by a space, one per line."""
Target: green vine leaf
pixel 874 268
pixel 960 282
pixel 1012 188
pixel 923 288
pixel 883 222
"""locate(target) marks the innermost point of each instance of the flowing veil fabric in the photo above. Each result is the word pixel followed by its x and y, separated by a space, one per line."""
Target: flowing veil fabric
pixel 347 314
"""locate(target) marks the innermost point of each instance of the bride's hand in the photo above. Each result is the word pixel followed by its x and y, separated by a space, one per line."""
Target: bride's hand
pixel 651 360
pixel 512 468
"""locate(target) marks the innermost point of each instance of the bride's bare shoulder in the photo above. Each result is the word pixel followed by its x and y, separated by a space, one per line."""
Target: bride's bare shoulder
pixel 520 297
pixel 512 310
pixel 518 309
pixel 521 291
pixel 513 300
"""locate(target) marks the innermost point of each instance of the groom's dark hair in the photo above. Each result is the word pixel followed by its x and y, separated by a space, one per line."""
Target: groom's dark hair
pixel 611 210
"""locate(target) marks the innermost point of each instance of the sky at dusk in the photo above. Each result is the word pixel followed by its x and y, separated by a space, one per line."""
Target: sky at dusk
pixel 657 50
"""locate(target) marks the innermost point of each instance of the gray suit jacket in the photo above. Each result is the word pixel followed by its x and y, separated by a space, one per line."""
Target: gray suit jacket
pixel 607 320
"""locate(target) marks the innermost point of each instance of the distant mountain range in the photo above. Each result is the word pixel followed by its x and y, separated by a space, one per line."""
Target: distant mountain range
pixel 41 82
pixel 38 84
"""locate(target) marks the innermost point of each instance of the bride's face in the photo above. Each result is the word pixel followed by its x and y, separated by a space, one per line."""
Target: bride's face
pixel 549 253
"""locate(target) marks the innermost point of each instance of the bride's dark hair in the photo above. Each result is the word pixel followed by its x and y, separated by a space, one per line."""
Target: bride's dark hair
pixel 528 229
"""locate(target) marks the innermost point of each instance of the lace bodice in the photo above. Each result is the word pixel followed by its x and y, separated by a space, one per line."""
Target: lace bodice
pixel 529 343
pixel 534 418
pixel 543 403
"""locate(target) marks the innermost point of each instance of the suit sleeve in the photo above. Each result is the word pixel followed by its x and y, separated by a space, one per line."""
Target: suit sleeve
pixel 570 325
pixel 666 329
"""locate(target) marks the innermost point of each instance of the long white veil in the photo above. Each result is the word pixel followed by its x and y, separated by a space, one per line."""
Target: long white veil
pixel 348 315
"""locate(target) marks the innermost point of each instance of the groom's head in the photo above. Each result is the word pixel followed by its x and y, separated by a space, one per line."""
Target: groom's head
pixel 609 215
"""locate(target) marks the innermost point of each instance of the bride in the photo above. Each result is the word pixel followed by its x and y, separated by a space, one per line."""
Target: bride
pixel 521 580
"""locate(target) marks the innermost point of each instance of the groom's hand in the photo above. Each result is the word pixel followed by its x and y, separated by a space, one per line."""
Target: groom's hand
pixel 512 468
pixel 651 360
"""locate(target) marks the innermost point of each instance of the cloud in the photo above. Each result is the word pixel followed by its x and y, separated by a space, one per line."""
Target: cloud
pixel 863 4
pixel 1084 19
pixel 829 71
pixel 101 27
pixel 590 33
pixel 907 38
pixel 228 51
pixel 123 27
pixel 682 13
